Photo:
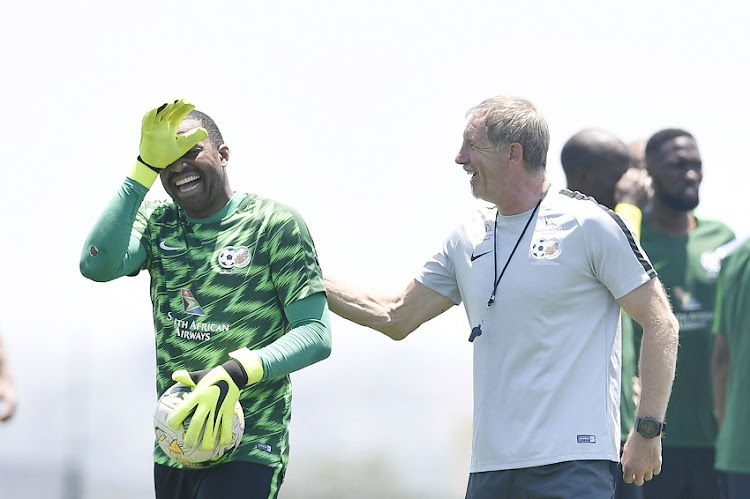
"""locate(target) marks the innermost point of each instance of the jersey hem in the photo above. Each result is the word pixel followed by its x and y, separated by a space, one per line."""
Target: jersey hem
pixel 530 463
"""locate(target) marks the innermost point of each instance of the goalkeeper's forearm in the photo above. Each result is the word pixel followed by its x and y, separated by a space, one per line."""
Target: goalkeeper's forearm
pixel 308 342
pixel 110 251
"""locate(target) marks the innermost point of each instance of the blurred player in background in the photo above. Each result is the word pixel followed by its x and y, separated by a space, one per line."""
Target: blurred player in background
pixel 7 387
pixel 683 248
pixel 731 372
pixel 637 150
pixel 599 164
pixel 238 300
pixel 542 274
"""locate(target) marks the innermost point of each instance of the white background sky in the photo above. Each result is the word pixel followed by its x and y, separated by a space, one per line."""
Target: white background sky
pixel 352 112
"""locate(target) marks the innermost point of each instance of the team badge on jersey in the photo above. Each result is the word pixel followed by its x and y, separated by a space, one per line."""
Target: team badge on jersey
pixel 190 304
pixel 230 257
pixel 544 248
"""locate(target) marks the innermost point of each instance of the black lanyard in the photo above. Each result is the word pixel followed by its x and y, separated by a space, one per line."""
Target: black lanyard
pixel 477 331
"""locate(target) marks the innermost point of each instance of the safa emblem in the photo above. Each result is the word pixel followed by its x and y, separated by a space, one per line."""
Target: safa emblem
pixel 231 257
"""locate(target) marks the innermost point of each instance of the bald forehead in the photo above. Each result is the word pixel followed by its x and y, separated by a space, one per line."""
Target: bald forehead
pixel 599 140
pixel 595 148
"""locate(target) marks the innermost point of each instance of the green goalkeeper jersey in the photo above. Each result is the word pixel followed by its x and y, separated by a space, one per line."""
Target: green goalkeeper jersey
pixel 220 284
pixel 246 277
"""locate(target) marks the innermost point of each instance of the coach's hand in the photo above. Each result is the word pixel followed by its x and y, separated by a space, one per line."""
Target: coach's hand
pixel 215 393
pixel 160 144
pixel 641 458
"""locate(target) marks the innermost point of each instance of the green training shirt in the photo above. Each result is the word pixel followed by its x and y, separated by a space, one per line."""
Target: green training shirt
pixel 221 284
pixel 689 267
pixel 241 278
pixel 733 320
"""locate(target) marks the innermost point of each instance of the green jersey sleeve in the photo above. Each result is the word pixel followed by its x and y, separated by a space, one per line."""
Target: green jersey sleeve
pixel 307 342
pixel 113 247
pixel 293 259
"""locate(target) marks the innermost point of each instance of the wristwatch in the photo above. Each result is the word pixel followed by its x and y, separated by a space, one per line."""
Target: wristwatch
pixel 649 427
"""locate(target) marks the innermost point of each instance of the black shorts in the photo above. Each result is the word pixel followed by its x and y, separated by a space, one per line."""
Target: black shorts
pixel 232 480
pixel 567 480
pixel 686 473
pixel 734 485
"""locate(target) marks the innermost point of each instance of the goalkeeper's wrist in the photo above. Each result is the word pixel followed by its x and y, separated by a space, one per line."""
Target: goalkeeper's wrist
pixel 250 363
pixel 143 173
pixel 236 372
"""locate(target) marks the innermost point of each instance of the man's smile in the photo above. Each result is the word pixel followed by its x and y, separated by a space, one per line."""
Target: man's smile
pixel 187 183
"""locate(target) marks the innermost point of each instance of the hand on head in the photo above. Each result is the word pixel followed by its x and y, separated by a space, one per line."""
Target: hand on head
pixel 161 145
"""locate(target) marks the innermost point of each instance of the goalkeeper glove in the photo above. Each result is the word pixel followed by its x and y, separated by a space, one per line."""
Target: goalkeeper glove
pixel 160 144
pixel 215 393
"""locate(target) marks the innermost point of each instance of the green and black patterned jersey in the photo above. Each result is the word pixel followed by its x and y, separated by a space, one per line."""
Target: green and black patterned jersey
pixel 221 284
pixel 246 277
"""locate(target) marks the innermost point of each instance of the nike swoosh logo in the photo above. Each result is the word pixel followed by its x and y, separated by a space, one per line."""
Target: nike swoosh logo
pixel 223 391
pixel 163 245
pixel 474 257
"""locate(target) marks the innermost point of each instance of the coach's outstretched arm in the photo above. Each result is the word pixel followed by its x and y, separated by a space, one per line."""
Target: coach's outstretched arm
pixel 649 306
pixel 395 316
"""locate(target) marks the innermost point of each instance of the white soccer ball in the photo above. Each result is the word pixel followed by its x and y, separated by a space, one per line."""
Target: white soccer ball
pixel 171 441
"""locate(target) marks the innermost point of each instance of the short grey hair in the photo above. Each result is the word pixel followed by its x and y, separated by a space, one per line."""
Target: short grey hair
pixel 513 119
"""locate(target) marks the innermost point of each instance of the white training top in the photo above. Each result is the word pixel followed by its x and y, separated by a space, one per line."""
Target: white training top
pixel 547 365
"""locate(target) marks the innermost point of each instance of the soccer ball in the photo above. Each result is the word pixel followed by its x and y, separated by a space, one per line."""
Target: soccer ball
pixel 172 443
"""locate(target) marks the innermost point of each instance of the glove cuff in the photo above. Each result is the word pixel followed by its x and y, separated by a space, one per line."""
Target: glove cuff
pixel 633 214
pixel 250 363
pixel 143 174
pixel 235 371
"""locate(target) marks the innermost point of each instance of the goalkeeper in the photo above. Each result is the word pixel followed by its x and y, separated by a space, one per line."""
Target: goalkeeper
pixel 238 299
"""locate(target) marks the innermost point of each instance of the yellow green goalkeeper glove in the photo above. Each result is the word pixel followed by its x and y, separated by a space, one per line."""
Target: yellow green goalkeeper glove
pixel 160 144
pixel 215 393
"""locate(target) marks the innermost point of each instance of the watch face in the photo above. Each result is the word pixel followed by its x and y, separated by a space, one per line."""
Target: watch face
pixel 648 428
